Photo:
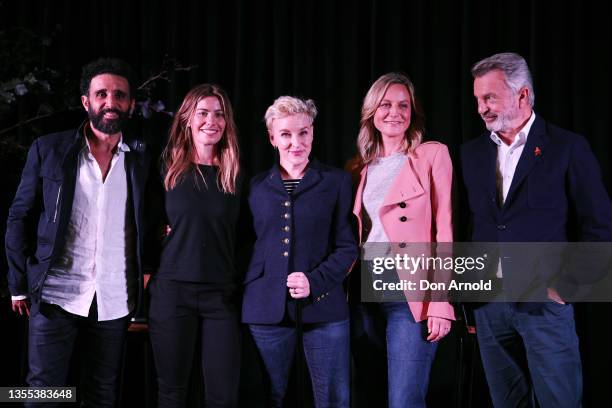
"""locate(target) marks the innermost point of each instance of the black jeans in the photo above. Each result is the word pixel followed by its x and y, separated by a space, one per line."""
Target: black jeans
pixel 52 336
pixel 177 311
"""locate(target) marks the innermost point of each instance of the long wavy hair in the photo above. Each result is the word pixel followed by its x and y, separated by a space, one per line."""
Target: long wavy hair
pixel 179 155
pixel 369 140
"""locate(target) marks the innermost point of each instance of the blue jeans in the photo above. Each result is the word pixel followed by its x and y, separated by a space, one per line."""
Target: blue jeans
pixel 530 352
pixel 326 346
pixel 379 329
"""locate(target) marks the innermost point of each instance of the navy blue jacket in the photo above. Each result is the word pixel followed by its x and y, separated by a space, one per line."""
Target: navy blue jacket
pixel 40 213
pixel 556 178
pixel 309 231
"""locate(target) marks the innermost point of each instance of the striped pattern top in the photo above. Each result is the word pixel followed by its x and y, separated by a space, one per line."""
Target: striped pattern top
pixel 291 184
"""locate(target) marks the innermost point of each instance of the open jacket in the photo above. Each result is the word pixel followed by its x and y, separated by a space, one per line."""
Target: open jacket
pixel 557 184
pixel 417 208
pixel 41 209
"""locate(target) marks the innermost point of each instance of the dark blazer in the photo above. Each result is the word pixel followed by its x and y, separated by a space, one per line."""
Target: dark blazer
pixel 309 231
pixel 39 215
pixel 556 177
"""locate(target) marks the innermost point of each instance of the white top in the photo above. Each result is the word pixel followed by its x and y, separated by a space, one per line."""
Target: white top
pixel 508 158
pixel 98 257
pixel 382 171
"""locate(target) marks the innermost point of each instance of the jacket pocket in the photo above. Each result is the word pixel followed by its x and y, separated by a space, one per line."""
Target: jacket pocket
pixel 34 274
pixel 44 248
pixel 52 194
pixel 255 272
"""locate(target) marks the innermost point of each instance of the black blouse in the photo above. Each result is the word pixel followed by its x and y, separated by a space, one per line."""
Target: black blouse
pixel 201 244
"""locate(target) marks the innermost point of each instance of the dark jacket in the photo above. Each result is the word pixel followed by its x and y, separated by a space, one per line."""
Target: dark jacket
pixel 40 213
pixel 556 178
pixel 309 231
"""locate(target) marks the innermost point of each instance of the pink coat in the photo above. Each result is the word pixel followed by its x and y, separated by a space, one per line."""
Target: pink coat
pixel 424 185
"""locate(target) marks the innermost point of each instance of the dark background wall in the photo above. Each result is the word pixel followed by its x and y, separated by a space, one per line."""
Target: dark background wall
pixel 330 51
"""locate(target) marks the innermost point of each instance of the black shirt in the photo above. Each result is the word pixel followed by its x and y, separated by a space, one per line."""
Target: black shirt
pixel 201 244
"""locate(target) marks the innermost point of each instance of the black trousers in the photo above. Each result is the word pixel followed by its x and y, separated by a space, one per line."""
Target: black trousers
pixel 52 336
pixel 178 310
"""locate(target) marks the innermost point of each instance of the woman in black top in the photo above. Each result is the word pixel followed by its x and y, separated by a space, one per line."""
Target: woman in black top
pixel 194 288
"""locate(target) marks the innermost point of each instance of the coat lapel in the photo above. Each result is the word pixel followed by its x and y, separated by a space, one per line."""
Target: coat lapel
pixel 275 180
pixel 530 156
pixel 489 159
pixel 311 178
pixel 484 158
pixel 405 186
pixel 135 170
pixel 363 174
pixel 70 163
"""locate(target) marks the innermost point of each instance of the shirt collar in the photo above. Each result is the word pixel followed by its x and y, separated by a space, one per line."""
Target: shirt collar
pixel 121 147
pixel 521 136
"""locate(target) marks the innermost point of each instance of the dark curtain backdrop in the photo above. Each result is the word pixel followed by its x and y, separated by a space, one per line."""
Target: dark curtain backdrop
pixel 331 51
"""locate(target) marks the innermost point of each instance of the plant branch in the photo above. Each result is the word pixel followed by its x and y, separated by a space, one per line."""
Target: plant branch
pixel 162 75
pixel 36 118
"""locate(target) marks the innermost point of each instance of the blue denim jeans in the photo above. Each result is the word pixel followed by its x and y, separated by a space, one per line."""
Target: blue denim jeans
pixel 326 347
pixel 389 328
pixel 527 353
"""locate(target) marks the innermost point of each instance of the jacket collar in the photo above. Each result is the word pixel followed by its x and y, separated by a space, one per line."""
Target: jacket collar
pixel 132 143
pixel 312 176
pixel 134 150
pixel 537 139
pixel 532 152
pixel 406 184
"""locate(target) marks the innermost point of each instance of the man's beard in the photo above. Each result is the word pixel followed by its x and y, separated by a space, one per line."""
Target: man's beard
pixel 505 120
pixel 108 126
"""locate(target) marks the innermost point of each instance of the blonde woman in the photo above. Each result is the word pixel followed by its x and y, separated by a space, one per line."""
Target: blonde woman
pixel 195 285
pixel 403 195
pixel 304 249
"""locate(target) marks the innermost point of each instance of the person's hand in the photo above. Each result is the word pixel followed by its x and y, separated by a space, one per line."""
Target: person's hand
pixel 21 306
pixel 298 285
pixel 437 327
pixel 554 296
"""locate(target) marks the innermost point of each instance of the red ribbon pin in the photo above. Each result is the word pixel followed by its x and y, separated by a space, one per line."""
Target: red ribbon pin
pixel 537 151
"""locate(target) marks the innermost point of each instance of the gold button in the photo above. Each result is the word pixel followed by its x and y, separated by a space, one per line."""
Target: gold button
pixel 286 240
pixel 286 228
pixel 287 203
pixel 286 216
pixel 285 254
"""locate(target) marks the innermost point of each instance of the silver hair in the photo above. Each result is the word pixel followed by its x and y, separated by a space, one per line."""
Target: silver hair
pixel 285 106
pixel 514 68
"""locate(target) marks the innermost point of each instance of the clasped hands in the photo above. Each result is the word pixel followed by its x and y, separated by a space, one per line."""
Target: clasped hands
pixel 298 285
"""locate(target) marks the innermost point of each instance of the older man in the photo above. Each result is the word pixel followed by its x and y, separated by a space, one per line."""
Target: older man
pixel 523 179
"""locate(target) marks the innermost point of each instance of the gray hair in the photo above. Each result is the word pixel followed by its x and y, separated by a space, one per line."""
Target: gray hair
pixel 513 66
pixel 285 106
